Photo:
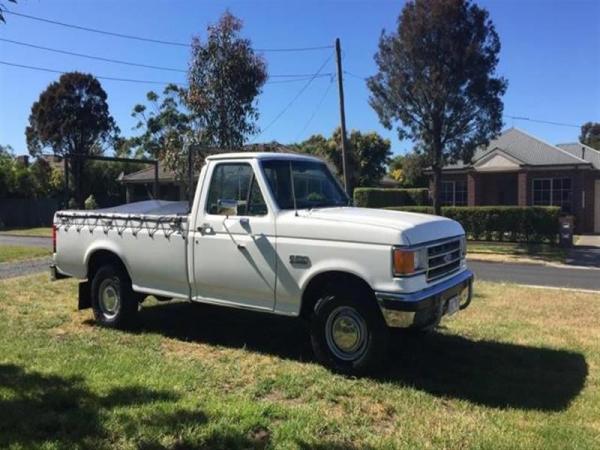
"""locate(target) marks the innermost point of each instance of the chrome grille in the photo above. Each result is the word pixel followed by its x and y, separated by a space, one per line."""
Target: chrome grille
pixel 443 259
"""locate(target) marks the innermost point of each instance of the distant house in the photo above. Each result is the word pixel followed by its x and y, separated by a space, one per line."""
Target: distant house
pixel 140 185
pixel 520 169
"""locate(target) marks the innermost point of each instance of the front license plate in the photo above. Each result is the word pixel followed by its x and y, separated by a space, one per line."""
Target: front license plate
pixel 453 305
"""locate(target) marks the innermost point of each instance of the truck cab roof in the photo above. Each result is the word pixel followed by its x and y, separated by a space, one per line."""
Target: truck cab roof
pixel 263 156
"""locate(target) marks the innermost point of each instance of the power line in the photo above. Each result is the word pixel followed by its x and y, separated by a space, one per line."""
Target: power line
pixel 560 124
pixel 300 92
pixel 314 113
pixel 83 55
pixel 130 63
pixel 547 122
pixel 154 41
pixel 100 77
pixel 355 76
pixel 131 80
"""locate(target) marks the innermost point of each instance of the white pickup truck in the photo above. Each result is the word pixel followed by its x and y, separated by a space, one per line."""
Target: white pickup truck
pixel 273 233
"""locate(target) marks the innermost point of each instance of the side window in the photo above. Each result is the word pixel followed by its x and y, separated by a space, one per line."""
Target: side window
pixel 234 191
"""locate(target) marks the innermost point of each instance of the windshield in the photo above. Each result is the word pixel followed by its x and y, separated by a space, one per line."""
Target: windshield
pixel 314 186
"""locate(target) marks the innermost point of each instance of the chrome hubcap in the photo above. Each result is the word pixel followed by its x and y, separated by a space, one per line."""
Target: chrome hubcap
pixel 346 333
pixel 110 302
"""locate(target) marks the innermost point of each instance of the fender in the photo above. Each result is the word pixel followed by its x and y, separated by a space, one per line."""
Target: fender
pixel 105 245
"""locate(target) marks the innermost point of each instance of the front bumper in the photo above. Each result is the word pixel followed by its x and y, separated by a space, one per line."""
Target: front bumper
pixel 426 307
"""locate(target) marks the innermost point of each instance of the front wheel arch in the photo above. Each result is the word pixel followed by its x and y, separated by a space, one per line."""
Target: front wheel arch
pixel 326 280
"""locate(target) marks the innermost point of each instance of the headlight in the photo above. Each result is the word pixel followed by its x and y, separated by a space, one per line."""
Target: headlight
pixel 408 262
pixel 463 247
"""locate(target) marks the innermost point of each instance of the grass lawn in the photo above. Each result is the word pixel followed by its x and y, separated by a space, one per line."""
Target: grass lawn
pixel 513 251
pixel 519 369
pixel 37 232
pixel 19 253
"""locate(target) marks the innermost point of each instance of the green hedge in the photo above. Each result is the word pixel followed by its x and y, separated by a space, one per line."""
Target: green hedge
pixel 502 223
pixel 381 198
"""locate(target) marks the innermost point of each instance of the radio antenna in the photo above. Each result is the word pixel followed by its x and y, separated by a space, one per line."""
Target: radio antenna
pixel 293 189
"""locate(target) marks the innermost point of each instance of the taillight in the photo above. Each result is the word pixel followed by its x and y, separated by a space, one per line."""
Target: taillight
pixel 53 238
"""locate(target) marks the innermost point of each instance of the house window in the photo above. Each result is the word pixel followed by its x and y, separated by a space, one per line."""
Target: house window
pixel 454 193
pixel 552 192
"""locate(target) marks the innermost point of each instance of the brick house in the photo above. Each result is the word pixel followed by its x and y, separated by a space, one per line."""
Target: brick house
pixel 519 169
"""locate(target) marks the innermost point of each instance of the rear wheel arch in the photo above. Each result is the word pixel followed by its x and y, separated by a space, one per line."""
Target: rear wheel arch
pixel 104 257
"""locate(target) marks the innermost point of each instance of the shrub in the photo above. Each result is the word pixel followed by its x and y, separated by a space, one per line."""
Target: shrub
pixel 381 198
pixel 499 223
pixel 90 203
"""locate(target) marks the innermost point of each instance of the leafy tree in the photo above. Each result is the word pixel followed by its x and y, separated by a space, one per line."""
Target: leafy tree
pixel 103 184
pixel 437 82
pixel 3 8
pixel 225 76
pixel 160 120
pixel 590 134
pixel 71 117
pixel 409 169
pixel 168 131
pixel 41 173
pixel 6 170
pixel 367 159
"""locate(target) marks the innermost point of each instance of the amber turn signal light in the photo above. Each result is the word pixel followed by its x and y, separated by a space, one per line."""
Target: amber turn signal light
pixel 404 262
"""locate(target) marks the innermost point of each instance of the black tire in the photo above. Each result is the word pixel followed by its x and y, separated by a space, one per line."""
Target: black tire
pixel 114 303
pixel 347 331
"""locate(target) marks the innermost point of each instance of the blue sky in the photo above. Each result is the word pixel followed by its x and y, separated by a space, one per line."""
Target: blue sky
pixel 550 55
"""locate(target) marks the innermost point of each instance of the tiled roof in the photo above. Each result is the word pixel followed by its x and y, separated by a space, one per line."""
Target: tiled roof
pixel 147 175
pixel 584 152
pixel 526 148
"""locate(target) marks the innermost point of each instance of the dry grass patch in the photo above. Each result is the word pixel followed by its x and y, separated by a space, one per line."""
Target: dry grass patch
pixel 519 369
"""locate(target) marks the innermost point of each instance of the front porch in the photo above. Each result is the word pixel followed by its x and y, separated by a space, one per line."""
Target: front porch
pixel 497 188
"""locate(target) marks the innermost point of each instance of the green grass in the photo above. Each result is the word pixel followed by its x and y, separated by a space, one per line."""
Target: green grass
pixel 519 369
pixel 10 253
pixel 542 252
pixel 35 232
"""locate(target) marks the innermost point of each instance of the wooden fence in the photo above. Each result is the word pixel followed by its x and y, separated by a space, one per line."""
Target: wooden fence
pixel 26 212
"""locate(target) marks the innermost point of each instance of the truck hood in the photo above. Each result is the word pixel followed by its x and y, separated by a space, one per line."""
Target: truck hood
pixel 406 228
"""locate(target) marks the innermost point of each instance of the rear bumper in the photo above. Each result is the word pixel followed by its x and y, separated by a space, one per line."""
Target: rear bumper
pixel 426 307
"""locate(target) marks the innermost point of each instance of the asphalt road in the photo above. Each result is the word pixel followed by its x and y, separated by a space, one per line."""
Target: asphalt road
pixel 537 275
pixel 28 241
pixel 20 268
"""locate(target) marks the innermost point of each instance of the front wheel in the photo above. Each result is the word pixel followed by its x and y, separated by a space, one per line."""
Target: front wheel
pixel 113 301
pixel 348 333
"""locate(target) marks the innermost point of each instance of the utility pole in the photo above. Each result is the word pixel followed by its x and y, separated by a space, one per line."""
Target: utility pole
pixel 338 57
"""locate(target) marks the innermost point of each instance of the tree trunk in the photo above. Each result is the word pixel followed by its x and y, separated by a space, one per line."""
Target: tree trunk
pixel 436 190
pixel 76 167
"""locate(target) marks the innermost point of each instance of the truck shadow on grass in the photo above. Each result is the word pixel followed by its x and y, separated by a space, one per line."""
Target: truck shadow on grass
pixel 37 409
pixel 489 373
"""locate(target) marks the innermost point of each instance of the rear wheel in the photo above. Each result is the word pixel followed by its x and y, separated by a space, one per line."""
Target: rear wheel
pixel 348 333
pixel 114 303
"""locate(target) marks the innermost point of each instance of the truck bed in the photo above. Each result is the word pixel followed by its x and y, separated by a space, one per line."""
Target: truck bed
pixel 150 238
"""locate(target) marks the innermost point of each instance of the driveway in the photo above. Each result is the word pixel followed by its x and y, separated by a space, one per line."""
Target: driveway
pixel 585 252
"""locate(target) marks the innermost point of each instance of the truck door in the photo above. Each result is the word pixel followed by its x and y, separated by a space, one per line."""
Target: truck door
pixel 234 241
